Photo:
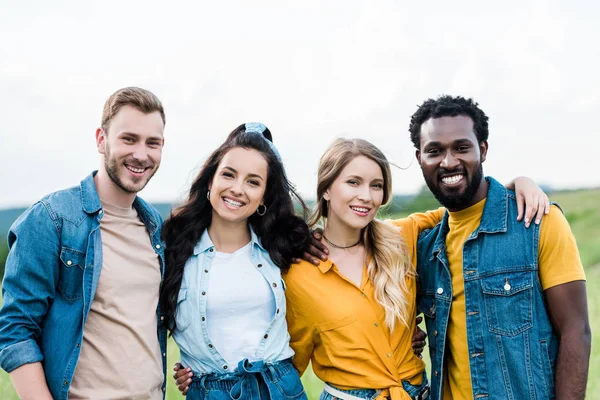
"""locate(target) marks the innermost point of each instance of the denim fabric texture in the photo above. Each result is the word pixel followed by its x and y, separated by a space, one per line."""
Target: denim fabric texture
pixel 250 381
pixel 412 390
pixel 52 273
pixel 191 334
pixel 511 343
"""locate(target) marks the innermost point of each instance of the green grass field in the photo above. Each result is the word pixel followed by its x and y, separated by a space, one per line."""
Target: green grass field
pixel 584 216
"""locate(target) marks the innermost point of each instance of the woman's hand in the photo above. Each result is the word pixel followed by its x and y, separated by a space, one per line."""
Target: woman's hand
pixel 531 198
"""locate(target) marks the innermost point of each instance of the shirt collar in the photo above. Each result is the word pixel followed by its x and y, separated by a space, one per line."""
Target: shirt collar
pixel 325 266
pixel 205 243
pixel 89 194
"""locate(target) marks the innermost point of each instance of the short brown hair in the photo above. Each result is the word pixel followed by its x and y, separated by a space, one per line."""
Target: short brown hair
pixel 141 99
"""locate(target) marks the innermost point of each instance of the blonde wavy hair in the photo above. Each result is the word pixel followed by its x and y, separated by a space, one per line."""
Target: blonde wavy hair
pixel 388 263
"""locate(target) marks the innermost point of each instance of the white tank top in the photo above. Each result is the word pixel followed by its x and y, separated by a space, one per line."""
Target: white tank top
pixel 240 306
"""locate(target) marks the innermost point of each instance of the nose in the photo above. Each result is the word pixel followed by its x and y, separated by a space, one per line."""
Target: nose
pixel 236 188
pixel 449 161
pixel 140 153
pixel 364 193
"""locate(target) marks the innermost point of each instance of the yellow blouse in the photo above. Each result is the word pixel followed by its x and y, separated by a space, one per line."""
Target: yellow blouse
pixel 341 328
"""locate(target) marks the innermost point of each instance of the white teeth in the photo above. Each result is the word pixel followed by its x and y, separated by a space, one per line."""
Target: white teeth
pixel 136 170
pixel 360 209
pixel 452 180
pixel 233 202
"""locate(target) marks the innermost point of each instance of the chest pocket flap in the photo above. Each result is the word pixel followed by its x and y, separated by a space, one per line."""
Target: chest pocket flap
pixel 71 273
pixel 508 301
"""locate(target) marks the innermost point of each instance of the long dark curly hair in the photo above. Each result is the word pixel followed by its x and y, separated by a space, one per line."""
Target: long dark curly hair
pixel 282 233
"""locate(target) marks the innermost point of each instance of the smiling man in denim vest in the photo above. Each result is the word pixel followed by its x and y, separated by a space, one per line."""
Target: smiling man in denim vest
pixel 80 291
pixel 505 305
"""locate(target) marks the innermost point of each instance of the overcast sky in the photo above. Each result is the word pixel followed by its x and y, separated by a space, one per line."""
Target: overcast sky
pixel 310 70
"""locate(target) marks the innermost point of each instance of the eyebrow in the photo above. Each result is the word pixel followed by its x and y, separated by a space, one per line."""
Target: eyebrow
pixel 126 133
pixel 360 178
pixel 454 143
pixel 249 175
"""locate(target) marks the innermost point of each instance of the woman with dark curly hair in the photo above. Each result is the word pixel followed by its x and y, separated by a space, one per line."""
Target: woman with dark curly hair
pixel 223 296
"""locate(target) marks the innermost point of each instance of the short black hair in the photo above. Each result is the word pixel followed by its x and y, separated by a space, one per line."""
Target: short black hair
pixel 448 106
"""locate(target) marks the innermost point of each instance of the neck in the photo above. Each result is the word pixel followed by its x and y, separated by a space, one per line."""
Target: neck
pixel 479 195
pixel 341 234
pixel 110 192
pixel 228 236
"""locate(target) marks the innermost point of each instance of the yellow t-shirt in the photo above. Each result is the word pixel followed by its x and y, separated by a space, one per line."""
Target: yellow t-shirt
pixel 341 328
pixel 558 260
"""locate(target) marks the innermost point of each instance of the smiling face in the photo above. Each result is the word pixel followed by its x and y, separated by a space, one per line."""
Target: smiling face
pixel 451 160
pixel 238 186
pixel 356 194
pixel 132 148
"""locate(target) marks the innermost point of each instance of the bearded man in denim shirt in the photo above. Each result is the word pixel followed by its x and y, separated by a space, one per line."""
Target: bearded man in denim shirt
pixel 505 304
pixel 80 291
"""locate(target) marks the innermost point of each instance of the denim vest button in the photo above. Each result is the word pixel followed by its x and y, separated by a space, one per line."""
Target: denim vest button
pixel 210 346
pixel 69 262
pixel 225 367
pixel 266 336
pixel 158 246
pixel 435 333
pixel 274 284
pixel 203 319
pixel 507 287
pixel 440 291
pixel 259 265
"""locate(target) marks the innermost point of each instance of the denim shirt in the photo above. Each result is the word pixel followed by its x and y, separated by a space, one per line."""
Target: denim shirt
pixel 511 342
pixel 191 334
pixel 51 276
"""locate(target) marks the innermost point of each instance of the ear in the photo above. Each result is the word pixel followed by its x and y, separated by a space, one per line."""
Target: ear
pixel 483 148
pixel 418 155
pixel 326 195
pixel 100 140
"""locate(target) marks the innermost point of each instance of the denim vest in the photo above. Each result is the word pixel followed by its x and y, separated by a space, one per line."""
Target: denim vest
pixel 51 276
pixel 191 334
pixel 511 343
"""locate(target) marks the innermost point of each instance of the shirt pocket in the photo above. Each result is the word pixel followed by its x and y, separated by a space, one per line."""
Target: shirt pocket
pixel 183 315
pixel 341 339
pixel 508 301
pixel 72 265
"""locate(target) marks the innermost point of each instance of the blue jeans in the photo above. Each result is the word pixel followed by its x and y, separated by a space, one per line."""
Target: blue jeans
pixel 250 381
pixel 368 394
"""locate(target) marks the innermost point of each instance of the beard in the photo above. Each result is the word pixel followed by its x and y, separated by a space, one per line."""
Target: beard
pixel 112 166
pixel 460 199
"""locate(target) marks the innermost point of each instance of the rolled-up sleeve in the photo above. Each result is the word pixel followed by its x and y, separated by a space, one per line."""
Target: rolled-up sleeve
pixel 29 286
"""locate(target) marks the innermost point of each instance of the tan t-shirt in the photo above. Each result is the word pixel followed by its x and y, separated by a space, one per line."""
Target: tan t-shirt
pixel 120 354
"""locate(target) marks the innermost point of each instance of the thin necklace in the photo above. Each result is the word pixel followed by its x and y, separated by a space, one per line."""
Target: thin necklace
pixel 340 247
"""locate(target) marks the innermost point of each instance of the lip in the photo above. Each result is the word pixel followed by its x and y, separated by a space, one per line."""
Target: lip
pixel 135 173
pixel 226 200
pixel 360 213
pixel 452 180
